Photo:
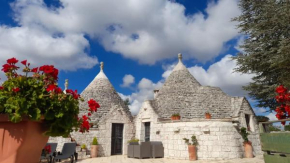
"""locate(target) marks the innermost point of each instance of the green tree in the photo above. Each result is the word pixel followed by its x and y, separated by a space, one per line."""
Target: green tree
pixel 262 118
pixel 287 127
pixel 265 24
pixel 127 102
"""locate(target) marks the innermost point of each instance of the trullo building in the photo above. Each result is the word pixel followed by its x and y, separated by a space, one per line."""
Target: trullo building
pixel 181 93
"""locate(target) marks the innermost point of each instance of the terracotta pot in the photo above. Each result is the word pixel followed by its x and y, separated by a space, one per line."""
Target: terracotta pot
pixel 21 142
pixel 248 150
pixel 192 152
pixel 173 118
pixel 207 116
pixel 94 150
pixel 177 118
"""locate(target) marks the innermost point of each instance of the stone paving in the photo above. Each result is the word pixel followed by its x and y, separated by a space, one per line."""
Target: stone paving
pixel 124 159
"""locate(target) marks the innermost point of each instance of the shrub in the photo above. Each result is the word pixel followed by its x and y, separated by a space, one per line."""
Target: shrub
pixel 193 140
pixel 95 141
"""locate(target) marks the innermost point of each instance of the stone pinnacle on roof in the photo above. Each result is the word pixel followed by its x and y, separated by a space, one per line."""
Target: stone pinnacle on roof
pixel 180 57
pixel 101 73
pixel 102 66
pixel 65 86
pixel 180 65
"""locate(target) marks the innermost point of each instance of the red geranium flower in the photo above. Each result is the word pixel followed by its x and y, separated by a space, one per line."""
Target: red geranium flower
pixel 51 87
pixel 57 90
pixel 49 70
pixel 16 89
pixel 281 89
pixel 12 61
pixel 89 114
pixel 6 68
pixel 24 62
pixel 34 69
pixel 93 105
pixel 1 87
pixel 47 149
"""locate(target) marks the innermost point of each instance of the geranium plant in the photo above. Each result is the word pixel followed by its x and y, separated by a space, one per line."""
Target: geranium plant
pixel 35 95
pixel 46 150
pixel 283 98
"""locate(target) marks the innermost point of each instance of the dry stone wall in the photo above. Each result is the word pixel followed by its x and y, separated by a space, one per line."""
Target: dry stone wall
pixel 103 132
pixel 182 94
pixel 218 138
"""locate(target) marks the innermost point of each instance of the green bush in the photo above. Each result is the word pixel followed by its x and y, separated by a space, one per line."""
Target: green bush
pixel 95 141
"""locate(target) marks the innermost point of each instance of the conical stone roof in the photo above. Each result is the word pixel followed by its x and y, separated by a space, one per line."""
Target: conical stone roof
pixel 183 94
pixel 101 90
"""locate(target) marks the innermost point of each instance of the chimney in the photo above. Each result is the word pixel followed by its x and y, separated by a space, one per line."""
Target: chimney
pixel 155 92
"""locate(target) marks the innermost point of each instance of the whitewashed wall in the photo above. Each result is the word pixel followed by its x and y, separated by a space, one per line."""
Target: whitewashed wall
pixel 103 133
pixel 218 138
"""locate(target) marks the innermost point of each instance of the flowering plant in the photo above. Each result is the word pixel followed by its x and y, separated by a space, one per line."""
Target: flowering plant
pixel 36 96
pixel 46 150
pixel 283 98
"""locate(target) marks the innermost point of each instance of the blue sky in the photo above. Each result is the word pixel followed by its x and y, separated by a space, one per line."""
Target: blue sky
pixel 137 40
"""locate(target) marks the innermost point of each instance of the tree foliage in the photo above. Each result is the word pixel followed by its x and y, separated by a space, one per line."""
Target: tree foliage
pixel 262 118
pixel 266 48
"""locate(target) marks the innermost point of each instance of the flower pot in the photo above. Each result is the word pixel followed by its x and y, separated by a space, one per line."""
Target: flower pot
pixel 248 150
pixel 21 142
pixel 175 117
pixel 192 152
pixel 207 116
pixel 94 150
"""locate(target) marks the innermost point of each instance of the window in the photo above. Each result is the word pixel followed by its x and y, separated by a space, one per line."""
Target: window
pixel 247 117
pixel 249 122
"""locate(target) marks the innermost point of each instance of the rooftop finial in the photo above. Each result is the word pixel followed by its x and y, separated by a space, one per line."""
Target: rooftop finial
pixel 102 66
pixel 65 85
pixel 180 56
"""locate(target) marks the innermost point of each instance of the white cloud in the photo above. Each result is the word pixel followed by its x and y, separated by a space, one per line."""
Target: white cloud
pixel 144 92
pixel 271 116
pixel 259 111
pixel 220 74
pixel 147 31
pixel 128 80
pixel 39 47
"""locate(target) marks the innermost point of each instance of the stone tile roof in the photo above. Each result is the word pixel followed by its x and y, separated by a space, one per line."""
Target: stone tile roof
pixel 183 94
pixel 101 90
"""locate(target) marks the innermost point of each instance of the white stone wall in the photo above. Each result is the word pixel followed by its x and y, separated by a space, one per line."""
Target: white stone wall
pixel 217 138
pixel 254 136
pixel 103 133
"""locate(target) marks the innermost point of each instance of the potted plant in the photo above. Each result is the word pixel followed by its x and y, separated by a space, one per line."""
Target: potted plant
pixel 32 108
pixel 83 148
pixel 94 147
pixel 191 147
pixel 133 141
pixel 247 144
pixel 46 150
pixel 175 116
pixel 207 115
